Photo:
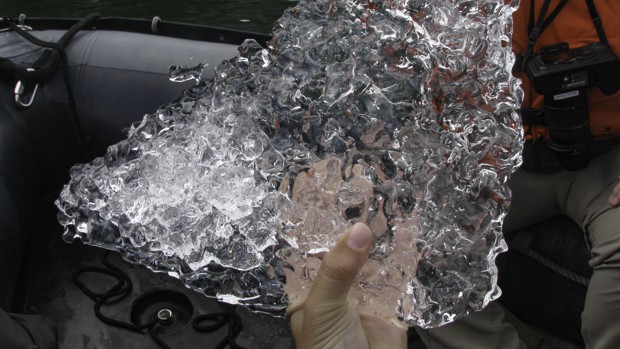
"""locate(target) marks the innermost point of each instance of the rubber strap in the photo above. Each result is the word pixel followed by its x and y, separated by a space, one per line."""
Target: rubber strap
pixel 541 24
pixel 598 23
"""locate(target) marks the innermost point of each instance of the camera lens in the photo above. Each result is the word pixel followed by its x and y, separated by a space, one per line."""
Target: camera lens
pixel 569 129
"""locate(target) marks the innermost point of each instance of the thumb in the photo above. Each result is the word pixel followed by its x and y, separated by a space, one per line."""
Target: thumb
pixel 614 199
pixel 340 266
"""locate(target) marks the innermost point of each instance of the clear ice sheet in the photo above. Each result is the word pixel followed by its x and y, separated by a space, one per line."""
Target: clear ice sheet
pixel 398 114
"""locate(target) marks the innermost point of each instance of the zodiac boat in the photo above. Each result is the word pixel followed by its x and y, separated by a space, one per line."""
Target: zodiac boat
pixel 88 87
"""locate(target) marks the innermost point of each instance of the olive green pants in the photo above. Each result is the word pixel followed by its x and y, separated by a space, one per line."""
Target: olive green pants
pixel 582 196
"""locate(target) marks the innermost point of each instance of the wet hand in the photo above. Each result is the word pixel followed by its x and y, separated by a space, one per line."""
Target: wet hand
pixel 326 320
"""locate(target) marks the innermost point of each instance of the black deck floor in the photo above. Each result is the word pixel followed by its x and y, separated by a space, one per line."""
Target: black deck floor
pixel 47 289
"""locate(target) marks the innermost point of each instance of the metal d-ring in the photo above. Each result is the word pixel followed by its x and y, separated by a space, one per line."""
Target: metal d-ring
pixel 19 92
pixel 20 25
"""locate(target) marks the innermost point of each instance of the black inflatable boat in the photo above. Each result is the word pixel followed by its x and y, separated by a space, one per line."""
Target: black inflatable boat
pixel 106 75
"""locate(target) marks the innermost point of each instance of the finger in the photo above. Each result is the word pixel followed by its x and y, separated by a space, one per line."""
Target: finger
pixel 340 266
pixel 614 199
pixel 382 333
pixel 297 321
pixel 295 312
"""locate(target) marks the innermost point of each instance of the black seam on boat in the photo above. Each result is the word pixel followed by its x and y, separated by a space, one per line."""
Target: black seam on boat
pixel 167 29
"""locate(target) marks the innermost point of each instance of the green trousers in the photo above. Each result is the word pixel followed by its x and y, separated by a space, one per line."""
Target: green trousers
pixel 582 196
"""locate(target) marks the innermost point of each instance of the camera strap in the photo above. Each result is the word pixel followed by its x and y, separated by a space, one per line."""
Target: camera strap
pixel 598 23
pixel 536 27
pixel 541 24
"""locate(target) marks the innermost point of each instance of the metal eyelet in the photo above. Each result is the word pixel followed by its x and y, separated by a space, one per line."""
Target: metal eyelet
pixel 155 24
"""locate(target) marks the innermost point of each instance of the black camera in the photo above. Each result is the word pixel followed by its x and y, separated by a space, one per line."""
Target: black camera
pixel 563 76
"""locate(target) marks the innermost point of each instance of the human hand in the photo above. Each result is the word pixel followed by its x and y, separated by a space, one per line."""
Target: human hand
pixel 614 198
pixel 326 319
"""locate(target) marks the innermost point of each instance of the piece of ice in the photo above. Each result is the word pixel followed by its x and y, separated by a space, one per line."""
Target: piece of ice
pixel 398 114
pixel 180 73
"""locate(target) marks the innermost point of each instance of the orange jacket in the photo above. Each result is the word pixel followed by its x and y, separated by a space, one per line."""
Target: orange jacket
pixel 573 25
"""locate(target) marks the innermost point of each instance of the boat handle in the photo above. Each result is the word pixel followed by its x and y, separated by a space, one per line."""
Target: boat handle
pixel 20 24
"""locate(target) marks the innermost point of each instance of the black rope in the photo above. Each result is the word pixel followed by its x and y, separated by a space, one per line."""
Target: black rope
pixel 218 320
pixel 152 332
pixel 115 294
pixel 201 323
pixel 118 292
pixel 582 280
pixel 45 65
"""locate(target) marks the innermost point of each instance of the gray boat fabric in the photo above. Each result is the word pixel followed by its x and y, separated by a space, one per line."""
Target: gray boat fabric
pixel 27 332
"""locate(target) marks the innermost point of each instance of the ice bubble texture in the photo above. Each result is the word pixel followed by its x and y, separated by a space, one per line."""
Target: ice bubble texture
pixel 398 114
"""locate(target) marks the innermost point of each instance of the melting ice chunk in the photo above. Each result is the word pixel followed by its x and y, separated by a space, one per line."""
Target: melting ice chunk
pixel 400 114
pixel 180 73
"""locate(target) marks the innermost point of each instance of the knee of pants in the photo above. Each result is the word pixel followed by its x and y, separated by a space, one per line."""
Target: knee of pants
pixel 603 234
pixel 600 320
